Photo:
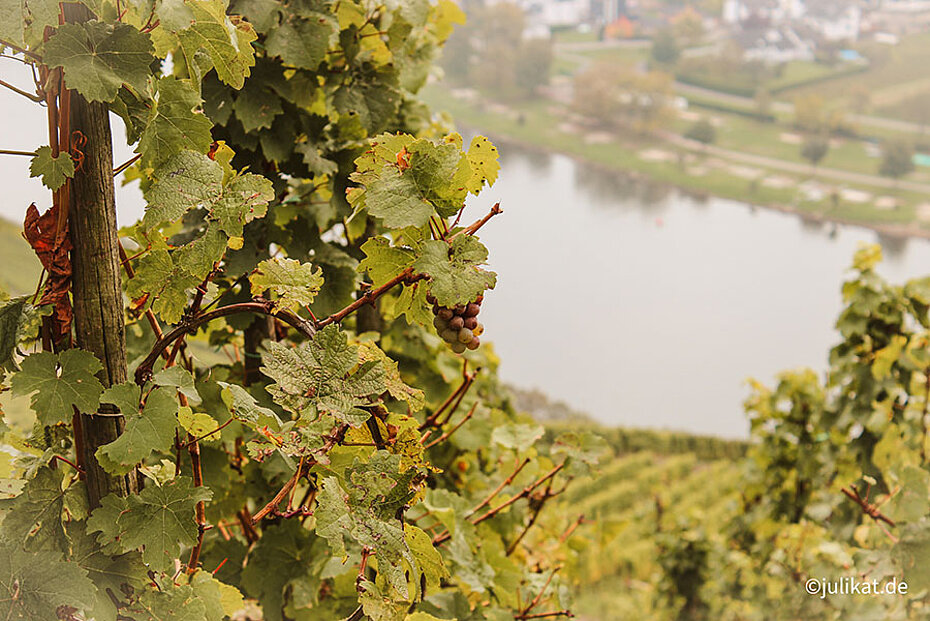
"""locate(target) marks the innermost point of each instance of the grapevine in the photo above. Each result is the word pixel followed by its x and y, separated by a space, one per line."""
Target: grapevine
pixel 238 401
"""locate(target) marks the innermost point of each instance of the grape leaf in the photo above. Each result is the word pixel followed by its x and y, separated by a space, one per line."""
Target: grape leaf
pixel 12 18
pixel 152 430
pixel 12 315
pixel 256 108
pixel 429 563
pixel 53 170
pixel 34 518
pixel 61 383
pixel 174 124
pixel 165 283
pixel 228 42
pixel 112 575
pixel 221 600
pixel 180 378
pixel 245 198
pixel 160 518
pixel 300 42
pixel 321 375
pixel 365 511
pixel 396 386
pixel 198 424
pixel 98 58
pixel 482 155
pixel 187 180
pixel 168 604
pixel 243 407
pixel 293 284
pixel 517 436
pixel 455 277
pixel 383 261
pixel 34 584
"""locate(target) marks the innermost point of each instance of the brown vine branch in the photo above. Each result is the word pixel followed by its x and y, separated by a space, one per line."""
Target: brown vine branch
pixel 868 508
pixel 19 91
pixel 22 51
pixel 126 164
pixel 497 490
pixel 445 436
pixel 524 614
pixel 431 420
pixel 543 615
pixel 407 277
pixel 12 152
pixel 571 528
pixel 337 435
pixel 537 505
pixel 366 552
pixel 261 307
pixel 472 228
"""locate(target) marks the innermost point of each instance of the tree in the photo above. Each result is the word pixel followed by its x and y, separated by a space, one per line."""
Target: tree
pixel 897 159
pixel 809 113
pixel 301 215
pixel 703 131
pixel 618 97
pixel 815 148
pixel 665 47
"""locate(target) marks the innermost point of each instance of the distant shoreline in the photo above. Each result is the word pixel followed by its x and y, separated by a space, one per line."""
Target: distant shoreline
pixel 891 230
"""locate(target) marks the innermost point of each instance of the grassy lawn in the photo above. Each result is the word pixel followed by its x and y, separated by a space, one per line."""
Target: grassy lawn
pixel 541 127
pixel 800 71
pixel 618 55
pixel 574 36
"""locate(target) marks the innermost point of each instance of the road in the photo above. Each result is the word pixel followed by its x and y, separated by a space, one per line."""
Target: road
pixel 793 167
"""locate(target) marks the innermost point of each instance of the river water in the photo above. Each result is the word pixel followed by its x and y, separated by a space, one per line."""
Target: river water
pixel 643 306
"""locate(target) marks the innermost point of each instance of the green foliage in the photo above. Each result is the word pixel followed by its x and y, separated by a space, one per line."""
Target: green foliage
pixel 59 383
pixel 287 165
pixel 897 159
pixel 53 170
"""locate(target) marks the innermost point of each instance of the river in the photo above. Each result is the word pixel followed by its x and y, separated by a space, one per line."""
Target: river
pixel 643 306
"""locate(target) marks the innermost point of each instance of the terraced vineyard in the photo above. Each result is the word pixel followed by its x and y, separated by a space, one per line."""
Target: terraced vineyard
pixel 634 501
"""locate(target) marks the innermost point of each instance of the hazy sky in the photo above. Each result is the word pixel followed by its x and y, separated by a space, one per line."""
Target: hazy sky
pixel 24 128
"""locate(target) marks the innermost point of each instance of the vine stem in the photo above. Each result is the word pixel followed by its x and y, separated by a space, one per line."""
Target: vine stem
pixel 497 490
pixel 13 152
pixel 262 307
pixel 472 228
pixel 406 277
pixel 20 91
pixel 523 613
pixel 338 435
pixel 22 51
pixel 446 435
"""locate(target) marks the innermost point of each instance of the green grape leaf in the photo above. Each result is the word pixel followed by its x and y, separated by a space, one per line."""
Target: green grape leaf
pixel 221 600
pixel 257 108
pixel 395 199
pixel 53 170
pixel 34 584
pixel 13 315
pixel 174 124
pixel 453 269
pixel 160 518
pixel 168 604
pixel 396 386
pixel 910 503
pixel 245 198
pixel 517 436
pixel 911 552
pixel 383 261
pixel 364 512
pixel 293 284
pixel 322 375
pixel 112 575
pixel 59 383
pixel 163 283
pixel 98 58
pixel 12 18
pixel 180 378
pixel 243 407
pixel 227 41
pixel 145 433
pixel 187 180
pixel 300 42
pixel 34 518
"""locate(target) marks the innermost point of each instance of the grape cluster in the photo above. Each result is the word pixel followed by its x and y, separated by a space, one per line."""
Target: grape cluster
pixel 458 326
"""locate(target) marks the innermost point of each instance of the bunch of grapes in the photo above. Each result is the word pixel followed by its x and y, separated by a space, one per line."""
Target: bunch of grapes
pixel 458 326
